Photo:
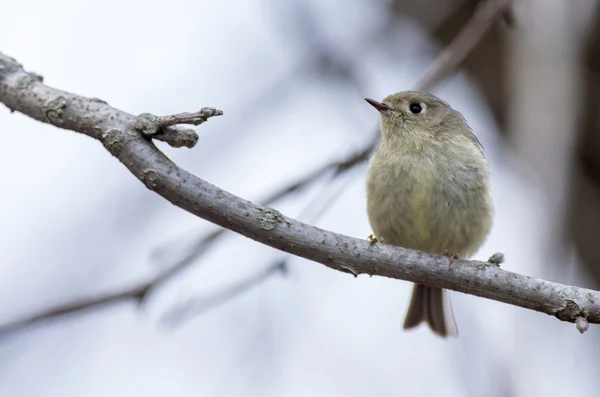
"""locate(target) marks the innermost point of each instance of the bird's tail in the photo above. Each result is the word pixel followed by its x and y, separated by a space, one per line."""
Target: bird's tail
pixel 431 305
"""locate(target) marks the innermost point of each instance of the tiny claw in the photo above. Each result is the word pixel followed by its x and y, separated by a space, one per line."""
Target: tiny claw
pixel 372 241
pixel 452 257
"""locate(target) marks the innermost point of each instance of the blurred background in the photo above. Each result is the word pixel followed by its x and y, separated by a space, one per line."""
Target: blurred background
pixel 290 77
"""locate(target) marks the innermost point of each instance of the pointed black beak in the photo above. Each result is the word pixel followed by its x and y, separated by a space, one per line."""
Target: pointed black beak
pixel 378 105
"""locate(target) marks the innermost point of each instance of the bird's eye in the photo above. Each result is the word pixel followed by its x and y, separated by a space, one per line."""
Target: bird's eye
pixel 415 108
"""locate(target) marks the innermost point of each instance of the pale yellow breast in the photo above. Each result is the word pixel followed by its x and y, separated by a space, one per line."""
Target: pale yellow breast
pixel 422 203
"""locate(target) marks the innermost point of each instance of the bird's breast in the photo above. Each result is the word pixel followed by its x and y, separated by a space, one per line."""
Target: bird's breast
pixel 428 203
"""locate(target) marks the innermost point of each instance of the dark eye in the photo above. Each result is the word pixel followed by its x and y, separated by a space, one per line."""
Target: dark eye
pixel 415 108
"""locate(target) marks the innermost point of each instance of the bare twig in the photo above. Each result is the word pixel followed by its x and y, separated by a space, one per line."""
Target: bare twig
pixel 127 294
pixel 201 247
pixel 114 129
pixel 165 128
pixel 196 118
pixel 486 14
pixel 338 167
pixel 179 313
pixel 138 294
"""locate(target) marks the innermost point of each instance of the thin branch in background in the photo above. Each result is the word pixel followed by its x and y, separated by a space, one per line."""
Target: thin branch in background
pixel 484 17
pixel 330 192
pixel 197 306
pixel 182 264
pixel 138 294
pixel 81 305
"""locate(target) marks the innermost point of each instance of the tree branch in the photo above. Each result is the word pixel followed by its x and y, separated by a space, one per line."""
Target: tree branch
pixel 136 294
pixel 196 306
pixel 139 295
pixel 165 128
pixel 115 129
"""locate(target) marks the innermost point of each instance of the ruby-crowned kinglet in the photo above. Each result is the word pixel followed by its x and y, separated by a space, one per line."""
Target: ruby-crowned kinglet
pixel 428 189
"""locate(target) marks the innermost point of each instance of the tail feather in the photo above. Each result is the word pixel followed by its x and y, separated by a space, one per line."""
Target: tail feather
pixel 431 305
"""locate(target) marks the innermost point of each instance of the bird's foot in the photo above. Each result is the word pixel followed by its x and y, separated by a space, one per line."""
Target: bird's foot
pixel 452 257
pixel 373 240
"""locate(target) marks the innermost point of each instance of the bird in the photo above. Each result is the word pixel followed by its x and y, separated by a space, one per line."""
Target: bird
pixel 429 189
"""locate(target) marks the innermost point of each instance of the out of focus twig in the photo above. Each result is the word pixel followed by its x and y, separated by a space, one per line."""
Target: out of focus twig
pixel 87 304
pixel 198 306
pixel 486 14
pixel 135 294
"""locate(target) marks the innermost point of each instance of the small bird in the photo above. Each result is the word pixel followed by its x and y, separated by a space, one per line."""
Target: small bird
pixel 428 189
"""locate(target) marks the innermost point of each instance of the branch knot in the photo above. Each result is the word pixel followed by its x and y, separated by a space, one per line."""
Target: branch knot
pixel 54 109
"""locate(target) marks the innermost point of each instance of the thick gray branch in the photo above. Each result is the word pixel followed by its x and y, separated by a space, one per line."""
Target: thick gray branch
pixel 23 92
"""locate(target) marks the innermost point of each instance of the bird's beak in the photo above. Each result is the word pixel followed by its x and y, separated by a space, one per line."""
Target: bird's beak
pixel 378 105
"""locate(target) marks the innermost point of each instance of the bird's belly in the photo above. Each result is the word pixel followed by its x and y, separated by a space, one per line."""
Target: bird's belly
pixel 415 210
